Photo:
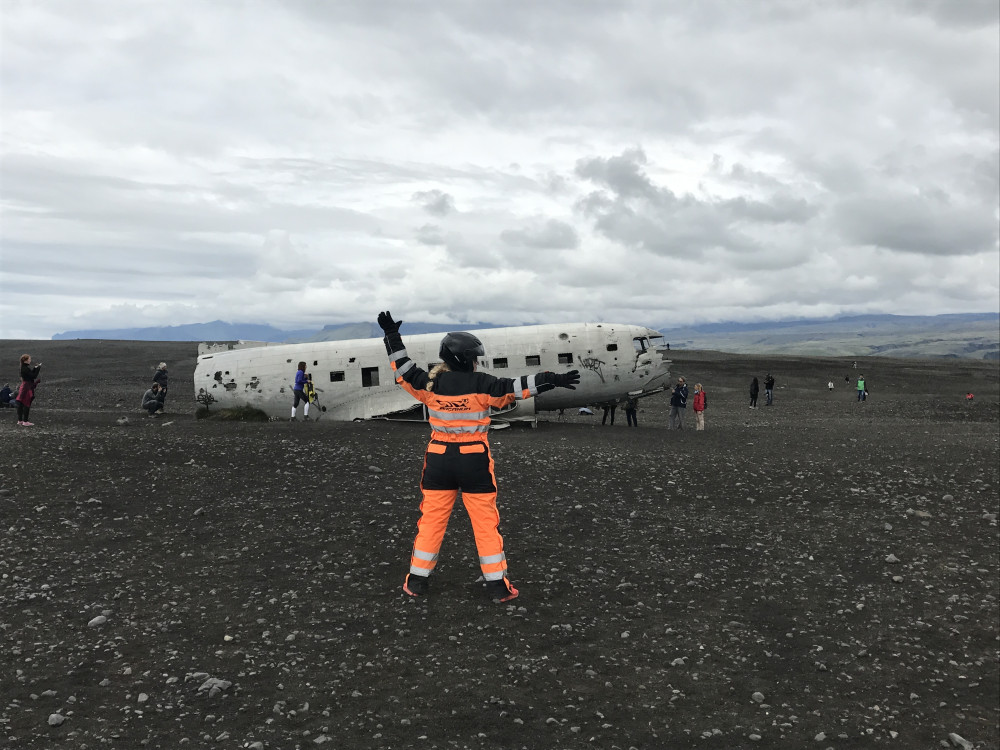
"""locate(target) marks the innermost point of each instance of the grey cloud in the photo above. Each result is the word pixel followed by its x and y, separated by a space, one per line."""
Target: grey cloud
pixel 640 214
pixel 925 224
pixel 965 14
pixel 469 255
pixel 63 190
pixel 430 234
pixel 435 202
pixel 549 235
pixel 781 209
pixel 623 174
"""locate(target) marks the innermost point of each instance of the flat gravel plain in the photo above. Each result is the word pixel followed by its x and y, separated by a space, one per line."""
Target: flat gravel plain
pixel 820 573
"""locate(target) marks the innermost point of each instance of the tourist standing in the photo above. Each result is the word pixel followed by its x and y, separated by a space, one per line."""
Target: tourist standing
pixel 631 411
pixel 299 392
pixel 26 392
pixel 699 404
pixel 678 402
pixel 609 409
pixel 458 458
pixel 161 379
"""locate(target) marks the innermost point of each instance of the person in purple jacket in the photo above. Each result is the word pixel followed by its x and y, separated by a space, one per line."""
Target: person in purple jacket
pixel 299 390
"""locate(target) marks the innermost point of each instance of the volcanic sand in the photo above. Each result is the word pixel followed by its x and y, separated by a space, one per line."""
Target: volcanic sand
pixel 818 573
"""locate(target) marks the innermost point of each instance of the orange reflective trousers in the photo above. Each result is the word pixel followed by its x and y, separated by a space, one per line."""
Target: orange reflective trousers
pixel 450 468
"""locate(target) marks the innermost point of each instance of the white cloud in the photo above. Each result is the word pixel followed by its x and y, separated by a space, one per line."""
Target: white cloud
pixel 304 163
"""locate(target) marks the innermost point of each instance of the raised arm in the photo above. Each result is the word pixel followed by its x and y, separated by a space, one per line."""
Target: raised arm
pixel 405 370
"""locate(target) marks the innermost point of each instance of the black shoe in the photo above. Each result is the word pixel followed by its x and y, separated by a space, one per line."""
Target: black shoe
pixel 501 591
pixel 415 585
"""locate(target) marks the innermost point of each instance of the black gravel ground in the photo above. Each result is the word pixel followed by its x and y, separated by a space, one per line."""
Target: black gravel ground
pixel 818 573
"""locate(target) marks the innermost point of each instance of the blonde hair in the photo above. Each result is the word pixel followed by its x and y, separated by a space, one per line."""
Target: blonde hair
pixel 697 386
pixel 435 371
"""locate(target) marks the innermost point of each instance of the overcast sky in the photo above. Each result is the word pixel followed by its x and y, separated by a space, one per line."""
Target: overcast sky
pixel 304 163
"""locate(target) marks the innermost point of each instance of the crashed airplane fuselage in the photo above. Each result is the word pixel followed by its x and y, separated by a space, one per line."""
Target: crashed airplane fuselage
pixel 353 379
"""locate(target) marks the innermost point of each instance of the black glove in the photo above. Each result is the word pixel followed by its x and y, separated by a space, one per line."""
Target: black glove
pixel 548 380
pixel 567 379
pixel 387 324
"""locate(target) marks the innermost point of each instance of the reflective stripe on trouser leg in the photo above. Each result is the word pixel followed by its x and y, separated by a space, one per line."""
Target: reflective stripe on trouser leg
pixel 435 510
pixel 482 508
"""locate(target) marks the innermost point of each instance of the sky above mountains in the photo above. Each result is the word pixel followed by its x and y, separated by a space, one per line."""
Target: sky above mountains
pixel 300 163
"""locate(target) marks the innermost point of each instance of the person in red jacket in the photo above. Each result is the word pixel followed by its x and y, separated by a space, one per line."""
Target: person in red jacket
pixel 458 457
pixel 700 402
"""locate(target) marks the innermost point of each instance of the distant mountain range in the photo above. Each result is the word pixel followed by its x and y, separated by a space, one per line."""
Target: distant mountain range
pixel 972 336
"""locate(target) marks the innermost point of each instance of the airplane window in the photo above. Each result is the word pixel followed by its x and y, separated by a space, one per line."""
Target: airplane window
pixel 612 347
pixel 369 377
pixel 337 377
pixel 533 360
pixel 640 343
pixel 499 362
pixel 656 342
pixel 315 363
pixel 565 359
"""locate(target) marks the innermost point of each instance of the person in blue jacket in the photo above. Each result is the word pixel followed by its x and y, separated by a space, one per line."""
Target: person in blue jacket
pixel 299 391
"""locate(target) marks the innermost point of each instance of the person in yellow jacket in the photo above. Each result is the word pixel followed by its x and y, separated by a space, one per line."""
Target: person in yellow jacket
pixel 458 458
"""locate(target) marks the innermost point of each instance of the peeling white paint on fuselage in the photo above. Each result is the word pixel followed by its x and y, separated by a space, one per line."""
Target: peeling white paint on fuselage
pixel 353 379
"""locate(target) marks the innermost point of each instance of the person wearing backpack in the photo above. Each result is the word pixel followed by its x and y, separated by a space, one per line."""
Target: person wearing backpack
pixel 700 404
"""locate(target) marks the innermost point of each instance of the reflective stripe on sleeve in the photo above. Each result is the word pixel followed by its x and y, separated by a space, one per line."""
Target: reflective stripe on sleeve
pixel 398 355
pixel 491 559
pixel 428 556
pixel 400 369
pixel 524 387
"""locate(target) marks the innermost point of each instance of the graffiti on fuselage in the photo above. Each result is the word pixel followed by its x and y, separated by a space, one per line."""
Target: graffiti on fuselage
pixel 592 363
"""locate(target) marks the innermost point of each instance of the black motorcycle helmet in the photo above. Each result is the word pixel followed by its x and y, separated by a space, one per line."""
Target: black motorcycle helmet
pixel 461 350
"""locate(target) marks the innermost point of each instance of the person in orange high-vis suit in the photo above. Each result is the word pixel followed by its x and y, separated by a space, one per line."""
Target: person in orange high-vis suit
pixel 458 458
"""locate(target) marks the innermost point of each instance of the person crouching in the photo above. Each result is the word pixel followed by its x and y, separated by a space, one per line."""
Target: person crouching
pixel 152 400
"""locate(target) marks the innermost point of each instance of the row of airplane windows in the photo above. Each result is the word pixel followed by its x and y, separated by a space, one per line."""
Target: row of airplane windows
pixel 370 378
pixel 370 375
